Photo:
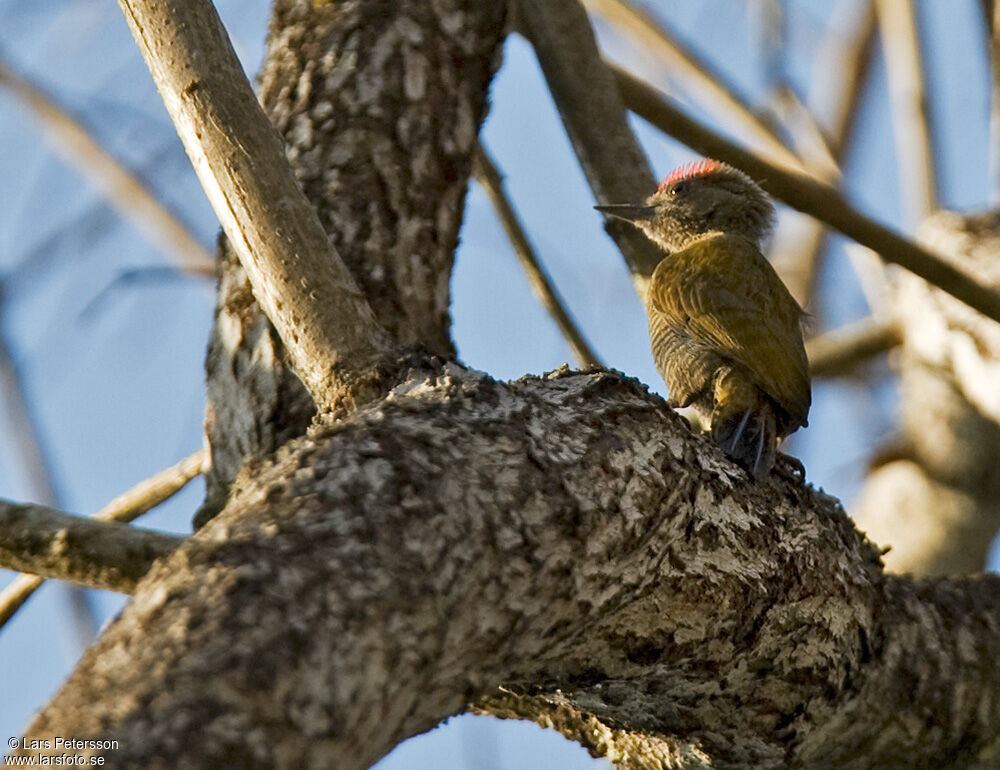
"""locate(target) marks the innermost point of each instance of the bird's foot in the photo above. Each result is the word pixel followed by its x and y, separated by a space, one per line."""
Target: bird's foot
pixel 791 466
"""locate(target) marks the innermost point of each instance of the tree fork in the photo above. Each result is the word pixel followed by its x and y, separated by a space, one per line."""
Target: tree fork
pixel 653 589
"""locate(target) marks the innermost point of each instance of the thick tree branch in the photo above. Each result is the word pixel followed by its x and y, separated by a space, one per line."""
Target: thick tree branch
pixel 379 107
pixel 306 291
pixel 128 506
pixel 97 554
pixel 810 196
pixel 934 494
pixel 620 565
pixel 485 171
pixel 594 116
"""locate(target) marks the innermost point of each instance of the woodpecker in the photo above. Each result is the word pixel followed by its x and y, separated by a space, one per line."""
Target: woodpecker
pixel 726 333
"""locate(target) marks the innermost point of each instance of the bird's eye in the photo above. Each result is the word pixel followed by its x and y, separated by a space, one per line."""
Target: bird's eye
pixel 679 189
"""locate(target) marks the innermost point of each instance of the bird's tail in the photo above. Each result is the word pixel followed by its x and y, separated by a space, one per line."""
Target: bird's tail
pixel 749 436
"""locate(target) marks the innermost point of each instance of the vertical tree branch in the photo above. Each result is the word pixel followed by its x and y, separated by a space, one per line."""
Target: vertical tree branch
pixel 934 495
pixel 27 438
pixel 306 291
pixel 489 177
pixel 800 263
pixel 992 22
pixel 910 110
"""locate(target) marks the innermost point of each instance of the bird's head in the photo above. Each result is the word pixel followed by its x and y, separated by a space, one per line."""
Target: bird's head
pixel 698 198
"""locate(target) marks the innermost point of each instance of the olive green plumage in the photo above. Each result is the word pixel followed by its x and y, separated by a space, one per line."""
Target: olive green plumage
pixel 725 332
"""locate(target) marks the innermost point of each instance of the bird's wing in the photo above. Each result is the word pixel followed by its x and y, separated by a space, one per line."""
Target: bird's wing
pixel 725 295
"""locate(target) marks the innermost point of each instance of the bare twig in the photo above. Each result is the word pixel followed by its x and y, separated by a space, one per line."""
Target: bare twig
pixel 811 196
pixel 22 429
pixel 594 116
pixel 97 554
pixel 991 12
pixel 129 505
pixel 842 350
pixel 914 148
pixel 155 490
pixel 703 84
pixel 299 280
pixel 489 177
pixel 800 264
pixel 126 192
pixel 854 63
pixel 809 141
pixel 25 436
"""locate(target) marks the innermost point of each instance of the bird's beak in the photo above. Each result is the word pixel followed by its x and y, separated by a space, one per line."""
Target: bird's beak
pixel 630 212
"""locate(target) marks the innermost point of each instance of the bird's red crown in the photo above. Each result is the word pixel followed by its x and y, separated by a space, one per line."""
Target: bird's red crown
pixel 689 170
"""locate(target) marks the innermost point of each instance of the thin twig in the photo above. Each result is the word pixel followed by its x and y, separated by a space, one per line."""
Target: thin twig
pixel 126 192
pixel 810 142
pixel 702 83
pixel 991 10
pixel 911 123
pixel 97 554
pixel 155 490
pixel 840 351
pixel 800 264
pixel 592 112
pixel 854 62
pixel 304 288
pixel 811 196
pixel 489 177
pixel 22 429
pixel 129 505
pixel 25 436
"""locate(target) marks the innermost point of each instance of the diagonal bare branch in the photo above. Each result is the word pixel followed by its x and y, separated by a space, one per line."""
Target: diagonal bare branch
pixel 910 108
pixel 301 283
pixel 594 116
pixel 129 505
pixel 123 189
pixel 810 196
pixel 486 173
pixel 854 63
pixel 703 84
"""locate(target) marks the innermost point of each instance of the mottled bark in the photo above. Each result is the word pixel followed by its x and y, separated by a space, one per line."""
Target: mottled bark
pixel 380 112
pixel 936 496
pixel 624 580
pixel 567 539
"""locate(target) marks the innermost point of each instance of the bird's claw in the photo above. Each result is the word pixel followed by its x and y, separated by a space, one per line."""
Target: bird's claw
pixel 791 465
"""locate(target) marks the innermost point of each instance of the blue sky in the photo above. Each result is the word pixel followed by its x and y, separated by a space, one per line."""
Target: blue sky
pixel 114 369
